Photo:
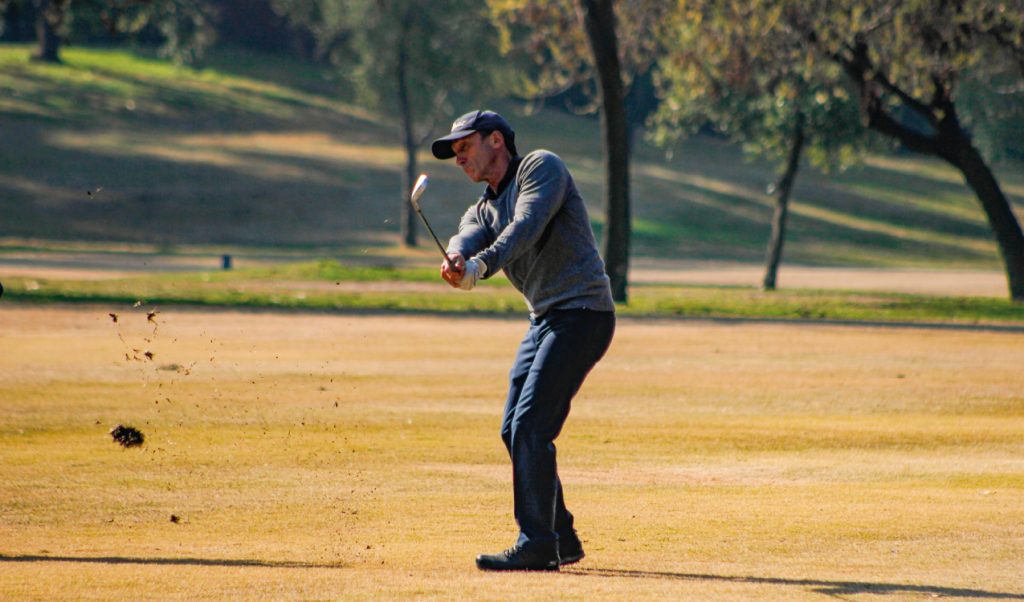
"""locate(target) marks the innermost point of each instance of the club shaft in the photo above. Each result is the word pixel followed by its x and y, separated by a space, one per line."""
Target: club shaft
pixel 444 253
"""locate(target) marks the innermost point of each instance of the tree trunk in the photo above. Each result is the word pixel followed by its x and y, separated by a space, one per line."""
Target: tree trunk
pixel 951 143
pixel 49 17
pixel 598 18
pixel 407 216
pixel 1000 214
pixel 781 216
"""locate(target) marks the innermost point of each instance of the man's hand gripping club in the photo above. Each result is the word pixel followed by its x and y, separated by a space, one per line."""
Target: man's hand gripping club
pixel 461 273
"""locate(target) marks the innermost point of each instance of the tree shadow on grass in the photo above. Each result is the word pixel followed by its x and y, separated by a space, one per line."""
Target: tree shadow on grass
pixel 225 562
pixel 827 588
pixel 251 199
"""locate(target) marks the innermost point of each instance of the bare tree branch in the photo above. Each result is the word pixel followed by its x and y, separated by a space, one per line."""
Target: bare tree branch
pixel 860 65
pixel 884 123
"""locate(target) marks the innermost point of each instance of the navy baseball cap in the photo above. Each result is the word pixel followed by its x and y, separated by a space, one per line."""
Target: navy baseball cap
pixel 475 121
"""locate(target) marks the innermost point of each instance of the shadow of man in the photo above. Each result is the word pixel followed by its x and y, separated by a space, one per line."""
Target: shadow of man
pixel 828 588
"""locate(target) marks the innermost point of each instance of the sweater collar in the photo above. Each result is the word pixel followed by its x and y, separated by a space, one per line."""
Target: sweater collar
pixel 513 167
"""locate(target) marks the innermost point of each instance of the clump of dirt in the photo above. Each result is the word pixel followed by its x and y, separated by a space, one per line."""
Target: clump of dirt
pixel 127 436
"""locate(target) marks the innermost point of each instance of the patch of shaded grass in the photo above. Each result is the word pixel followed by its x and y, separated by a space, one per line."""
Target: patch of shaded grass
pixel 262 150
pixel 119 85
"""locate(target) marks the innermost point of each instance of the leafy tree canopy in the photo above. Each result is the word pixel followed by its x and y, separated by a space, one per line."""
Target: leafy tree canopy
pixel 724 66
pixel 550 46
pixel 181 30
pixel 451 49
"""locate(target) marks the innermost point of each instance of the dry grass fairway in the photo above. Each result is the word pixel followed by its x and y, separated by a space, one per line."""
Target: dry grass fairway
pixel 345 457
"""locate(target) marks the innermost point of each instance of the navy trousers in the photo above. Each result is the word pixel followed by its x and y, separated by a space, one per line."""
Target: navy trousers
pixel 554 358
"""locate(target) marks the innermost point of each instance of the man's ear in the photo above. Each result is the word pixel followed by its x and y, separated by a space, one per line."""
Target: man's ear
pixel 496 139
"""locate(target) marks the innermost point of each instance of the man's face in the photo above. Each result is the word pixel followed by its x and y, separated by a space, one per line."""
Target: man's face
pixel 476 155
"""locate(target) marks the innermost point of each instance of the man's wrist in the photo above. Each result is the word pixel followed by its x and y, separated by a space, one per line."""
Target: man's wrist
pixel 471 274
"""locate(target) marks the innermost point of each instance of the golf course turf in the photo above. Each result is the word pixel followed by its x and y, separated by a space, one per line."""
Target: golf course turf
pixel 298 456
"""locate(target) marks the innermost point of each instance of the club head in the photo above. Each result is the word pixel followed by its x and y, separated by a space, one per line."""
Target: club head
pixel 417 190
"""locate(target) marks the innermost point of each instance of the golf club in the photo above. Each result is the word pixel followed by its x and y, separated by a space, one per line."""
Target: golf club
pixel 414 198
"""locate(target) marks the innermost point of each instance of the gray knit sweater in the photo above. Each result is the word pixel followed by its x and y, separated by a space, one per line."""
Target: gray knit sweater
pixel 537 230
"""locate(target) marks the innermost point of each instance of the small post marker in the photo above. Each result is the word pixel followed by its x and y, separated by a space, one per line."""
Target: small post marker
pixel 225 262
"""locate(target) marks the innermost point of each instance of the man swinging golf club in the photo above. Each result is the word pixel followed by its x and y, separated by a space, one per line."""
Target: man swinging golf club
pixel 532 224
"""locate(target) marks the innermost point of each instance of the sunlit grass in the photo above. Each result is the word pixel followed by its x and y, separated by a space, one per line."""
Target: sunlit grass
pixel 330 285
pixel 313 456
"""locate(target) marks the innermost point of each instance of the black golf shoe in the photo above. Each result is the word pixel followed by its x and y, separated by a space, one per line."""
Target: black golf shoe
pixel 570 550
pixel 516 558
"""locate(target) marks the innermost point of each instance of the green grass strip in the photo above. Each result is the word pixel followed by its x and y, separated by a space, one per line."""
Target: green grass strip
pixel 330 285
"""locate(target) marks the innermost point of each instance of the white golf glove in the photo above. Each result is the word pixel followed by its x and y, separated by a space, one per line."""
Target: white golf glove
pixel 475 269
